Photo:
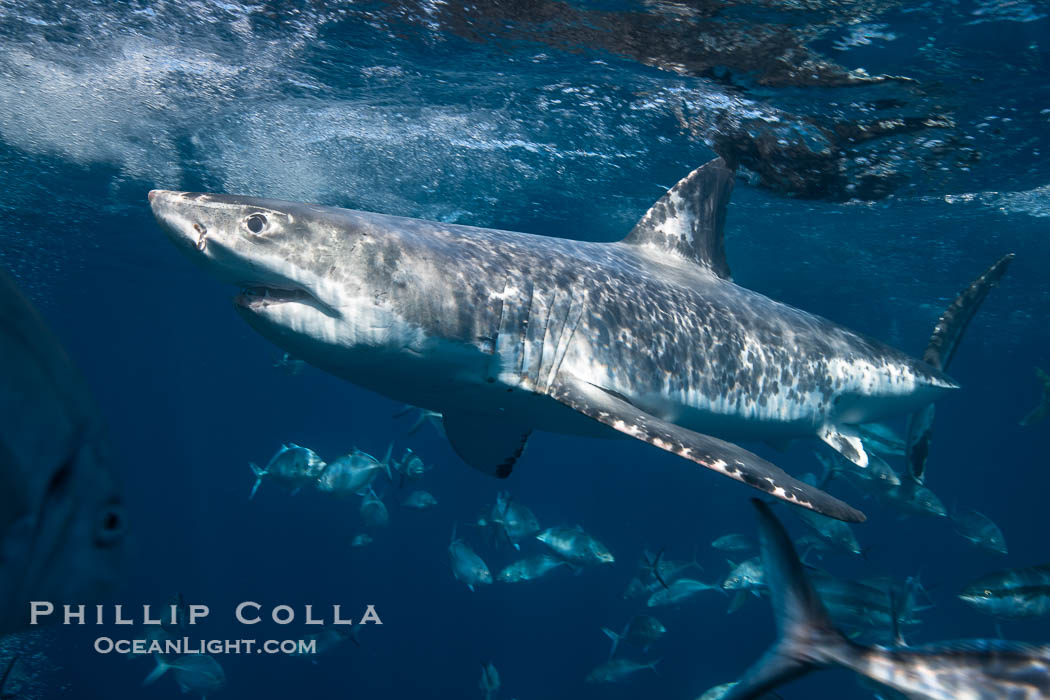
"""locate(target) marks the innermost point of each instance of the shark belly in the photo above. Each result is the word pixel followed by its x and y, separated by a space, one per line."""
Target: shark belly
pixel 406 364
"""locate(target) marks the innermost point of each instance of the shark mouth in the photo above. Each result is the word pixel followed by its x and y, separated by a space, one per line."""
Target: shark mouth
pixel 259 298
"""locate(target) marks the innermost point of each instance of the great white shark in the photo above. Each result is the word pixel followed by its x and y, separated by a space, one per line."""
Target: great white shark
pixel 505 333
pixel 63 525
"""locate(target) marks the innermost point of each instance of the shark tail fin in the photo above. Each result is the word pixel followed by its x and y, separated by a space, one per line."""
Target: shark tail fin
pixel 806 638
pixel 939 352
pixel 159 670
pixel 259 473
pixel 615 640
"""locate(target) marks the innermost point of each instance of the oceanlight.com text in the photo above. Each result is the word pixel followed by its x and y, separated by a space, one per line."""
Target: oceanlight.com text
pixel 185 645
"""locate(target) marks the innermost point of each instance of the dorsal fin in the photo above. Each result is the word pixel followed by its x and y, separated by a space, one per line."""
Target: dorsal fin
pixel 689 220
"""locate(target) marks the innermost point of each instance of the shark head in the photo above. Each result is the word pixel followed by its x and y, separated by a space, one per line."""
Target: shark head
pixel 62 522
pixel 317 281
pixel 272 250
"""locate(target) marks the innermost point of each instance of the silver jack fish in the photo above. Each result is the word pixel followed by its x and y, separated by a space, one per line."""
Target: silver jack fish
pixel 679 591
pixel 806 640
pixel 640 632
pixel 505 333
pixel 467 566
pixel 291 466
pixel 1011 594
pixel 62 524
pixel 529 569
pixel 575 546
pixel 351 474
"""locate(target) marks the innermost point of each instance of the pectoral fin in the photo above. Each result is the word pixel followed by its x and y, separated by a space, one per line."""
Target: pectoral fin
pixel 723 457
pixel 488 443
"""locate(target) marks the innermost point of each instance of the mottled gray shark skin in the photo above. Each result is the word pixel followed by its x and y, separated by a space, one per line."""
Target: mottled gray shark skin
pixel 505 333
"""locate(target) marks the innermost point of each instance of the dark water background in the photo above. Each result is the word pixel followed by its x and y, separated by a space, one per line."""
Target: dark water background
pixel 563 120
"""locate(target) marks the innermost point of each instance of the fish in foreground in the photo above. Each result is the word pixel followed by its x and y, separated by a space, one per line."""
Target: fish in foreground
pixel 1043 409
pixel 292 466
pixel 62 523
pixel 199 674
pixel 806 640
pixel 529 568
pixel 615 670
pixel 419 500
pixel 979 529
pixel 489 682
pixel 1011 594
pixel 640 632
pixel 575 546
pixel 505 333
pixel 467 566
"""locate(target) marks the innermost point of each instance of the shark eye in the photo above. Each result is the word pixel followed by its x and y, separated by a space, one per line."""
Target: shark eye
pixel 110 527
pixel 255 223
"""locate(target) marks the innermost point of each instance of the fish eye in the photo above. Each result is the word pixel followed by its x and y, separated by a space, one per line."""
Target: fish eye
pixel 110 527
pixel 255 223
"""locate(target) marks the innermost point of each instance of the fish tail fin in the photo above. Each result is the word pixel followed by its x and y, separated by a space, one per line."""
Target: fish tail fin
pixel 159 670
pixel 386 461
pixel 259 473
pixel 615 640
pixel 939 352
pixel 806 638
pixel 652 666
pixel 655 566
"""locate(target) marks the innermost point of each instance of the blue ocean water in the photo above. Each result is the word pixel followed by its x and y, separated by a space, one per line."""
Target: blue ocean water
pixel 562 119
